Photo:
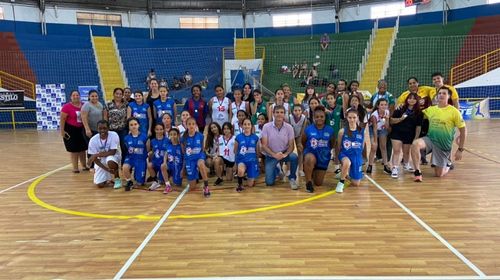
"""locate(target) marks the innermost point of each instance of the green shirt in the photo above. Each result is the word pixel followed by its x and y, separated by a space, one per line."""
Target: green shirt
pixel 442 123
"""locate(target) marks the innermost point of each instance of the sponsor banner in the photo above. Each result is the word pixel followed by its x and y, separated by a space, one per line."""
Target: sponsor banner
pixel 11 99
pixel 478 110
pixel 84 92
pixel 49 101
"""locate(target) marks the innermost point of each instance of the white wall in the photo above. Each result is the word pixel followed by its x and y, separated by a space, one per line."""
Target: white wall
pixel 232 20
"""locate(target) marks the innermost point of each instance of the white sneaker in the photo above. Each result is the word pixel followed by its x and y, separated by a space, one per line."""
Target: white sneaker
pixel 407 167
pixel 154 186
pixel 301 173
pixel 395 172
pixel 293 184
pixel 339 188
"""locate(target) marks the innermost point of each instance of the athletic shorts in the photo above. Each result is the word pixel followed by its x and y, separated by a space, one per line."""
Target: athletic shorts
pixel 175 172
pixel 228 163
pixel 101 175
pixel 439 157
pixel 139 166
pixel 322 160
pixel 356 169
pixel 253 170
pixel 192 169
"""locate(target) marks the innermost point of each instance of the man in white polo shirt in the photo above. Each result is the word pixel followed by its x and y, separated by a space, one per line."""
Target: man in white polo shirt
pixel 278 142
pixel 105 152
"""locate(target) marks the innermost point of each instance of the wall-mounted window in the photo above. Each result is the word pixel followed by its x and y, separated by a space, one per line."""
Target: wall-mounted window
pixel 493 1
pixel 391 10
pixel 283 20
pixel 1 13
pixel 199 22
pixel 98 19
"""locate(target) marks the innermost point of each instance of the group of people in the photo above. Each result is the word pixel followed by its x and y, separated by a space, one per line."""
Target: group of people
pixel 240 135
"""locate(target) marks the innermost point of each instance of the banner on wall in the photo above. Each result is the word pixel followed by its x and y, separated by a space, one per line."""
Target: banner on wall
pixel 479 110
pixel 84 92
pixel 11 99
pixel 49 101
pixel 241 71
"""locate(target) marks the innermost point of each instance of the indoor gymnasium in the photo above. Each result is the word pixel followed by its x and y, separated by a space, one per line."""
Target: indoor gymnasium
pixel 250 139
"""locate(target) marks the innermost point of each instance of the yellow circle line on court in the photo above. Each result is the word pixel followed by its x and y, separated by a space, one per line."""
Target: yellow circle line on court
pixel 38 201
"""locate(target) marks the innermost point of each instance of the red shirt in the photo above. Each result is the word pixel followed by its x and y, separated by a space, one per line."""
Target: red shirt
pixel 74 116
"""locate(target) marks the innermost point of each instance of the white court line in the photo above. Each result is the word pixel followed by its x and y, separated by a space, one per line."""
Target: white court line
pixel 34 178
pixel 150 235
pixel 429 229
pixel 332 278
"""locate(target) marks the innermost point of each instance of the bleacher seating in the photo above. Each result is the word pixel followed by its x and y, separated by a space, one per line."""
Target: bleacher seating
pixel 345 52
pixel 421 50
pixel 67 59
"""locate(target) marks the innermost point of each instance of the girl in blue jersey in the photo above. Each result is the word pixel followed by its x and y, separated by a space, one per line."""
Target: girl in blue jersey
pixel 135 143
pixel 166 120
pixel 351 140
pixel 173 161
pixel 164 105
pixel 141 112
pixel 318 139
pixel 246 149
pixel 194 156
pixel 156 156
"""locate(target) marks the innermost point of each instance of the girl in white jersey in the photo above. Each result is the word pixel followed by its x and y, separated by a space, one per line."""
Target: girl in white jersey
pixel 279 96
pixel 183 126
pixel 220 106
pixel 238 104
pixel 224 161
pixel 298 122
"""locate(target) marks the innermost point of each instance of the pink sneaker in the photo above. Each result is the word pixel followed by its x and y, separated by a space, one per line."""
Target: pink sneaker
pixel 168 188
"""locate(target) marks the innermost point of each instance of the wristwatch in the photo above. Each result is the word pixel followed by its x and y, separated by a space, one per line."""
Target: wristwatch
pixel 461 149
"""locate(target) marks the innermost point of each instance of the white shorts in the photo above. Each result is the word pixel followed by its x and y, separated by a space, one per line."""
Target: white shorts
pixel 101 175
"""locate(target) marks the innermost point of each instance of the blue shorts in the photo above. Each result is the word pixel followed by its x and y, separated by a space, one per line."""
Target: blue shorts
pixel 175 172
pixel 356 169
pixel 157 168
pixel 380 132
pixel 322 159
pixel 252 167
pixel 192 169
pixel 139 166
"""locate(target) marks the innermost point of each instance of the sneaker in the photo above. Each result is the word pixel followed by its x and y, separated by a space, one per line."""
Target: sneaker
pixel 154 186
pixel 151 179
pixel 433 165
pixel 309 187
pixel 218 182
pixel 395 173
pixel 168 188
pixel 451 166
pixel 128 186
pixel 293 184
pixel 369 169
pixel 418 176
pixel 408 168
pixel 387 170
pixel 337 175
pixel 239 188
pixel 206 191
pixel 118 183
pixel 339 188
pixel 423 161
pixel 301 173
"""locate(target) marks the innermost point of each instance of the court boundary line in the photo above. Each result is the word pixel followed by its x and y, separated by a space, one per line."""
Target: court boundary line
pixel 148 238
pixel 34 178
pixel 429 229
pixel 329 278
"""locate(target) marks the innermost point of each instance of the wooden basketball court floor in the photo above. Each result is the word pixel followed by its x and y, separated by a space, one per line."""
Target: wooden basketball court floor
pixel 56 225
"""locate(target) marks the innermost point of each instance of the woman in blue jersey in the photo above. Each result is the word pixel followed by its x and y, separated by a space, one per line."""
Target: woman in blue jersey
pixel 318 139
pixel 156 156
pixel 164 105
pixel 246 150
pixel 135 143
pixel 141 112
pixel 194 156
pixel 173 161
pixel 351 141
